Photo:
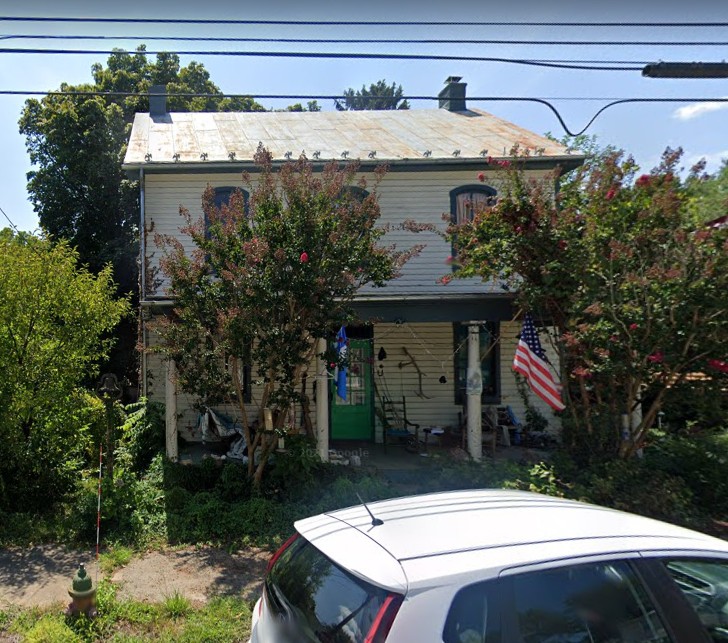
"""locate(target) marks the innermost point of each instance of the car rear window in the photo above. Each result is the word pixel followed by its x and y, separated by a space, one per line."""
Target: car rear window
pixel 314 597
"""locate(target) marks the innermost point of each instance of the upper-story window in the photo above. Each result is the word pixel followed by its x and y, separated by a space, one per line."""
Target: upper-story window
pixel 466 200
pixel 355 192
pixel 222 197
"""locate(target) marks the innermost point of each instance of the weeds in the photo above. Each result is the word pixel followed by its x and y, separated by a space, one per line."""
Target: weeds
pixel 117 556
pixel 176 605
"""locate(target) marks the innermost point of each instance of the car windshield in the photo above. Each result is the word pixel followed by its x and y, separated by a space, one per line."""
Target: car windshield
pixel 316 600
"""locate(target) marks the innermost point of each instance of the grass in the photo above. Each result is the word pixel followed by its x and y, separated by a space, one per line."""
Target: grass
pixel 116 557
pixel 221 620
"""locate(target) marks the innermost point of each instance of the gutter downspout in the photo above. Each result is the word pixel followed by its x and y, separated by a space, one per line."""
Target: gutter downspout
pixel 143 284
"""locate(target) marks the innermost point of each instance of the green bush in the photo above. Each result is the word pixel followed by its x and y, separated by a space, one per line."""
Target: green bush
pixel 51 630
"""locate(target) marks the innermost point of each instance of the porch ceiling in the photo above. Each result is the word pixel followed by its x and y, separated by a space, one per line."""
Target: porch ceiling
pixel 487 308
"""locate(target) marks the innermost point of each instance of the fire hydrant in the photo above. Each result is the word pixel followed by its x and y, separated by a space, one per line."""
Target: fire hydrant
pixel 83 594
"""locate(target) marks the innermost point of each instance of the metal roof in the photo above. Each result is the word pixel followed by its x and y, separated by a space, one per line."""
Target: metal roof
pixel 425 135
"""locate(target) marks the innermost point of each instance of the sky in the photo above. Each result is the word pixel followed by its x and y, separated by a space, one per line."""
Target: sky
pixel 644 130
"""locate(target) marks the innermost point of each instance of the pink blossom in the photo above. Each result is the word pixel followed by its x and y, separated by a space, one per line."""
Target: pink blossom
pixel 633 326
pixel 445 280
pixel 656 358
pixel 718 365
pixel 519 229
pixel 481 177
pixel 304 257
pixel 563 245
pixel 449 260
pixel 611 194
pixel 645 179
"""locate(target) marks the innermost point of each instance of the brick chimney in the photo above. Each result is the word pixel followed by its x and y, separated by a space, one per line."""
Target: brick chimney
pixel 452 96
pixel 157 104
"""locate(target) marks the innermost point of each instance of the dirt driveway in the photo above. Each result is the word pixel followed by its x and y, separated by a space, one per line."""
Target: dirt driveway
pixel 41 575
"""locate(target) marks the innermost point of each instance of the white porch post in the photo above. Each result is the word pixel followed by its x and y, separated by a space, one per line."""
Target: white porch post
pixel 170 395
pixel 474 390
pixel 322 404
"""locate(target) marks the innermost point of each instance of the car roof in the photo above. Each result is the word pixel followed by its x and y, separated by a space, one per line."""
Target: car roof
pixel 458 531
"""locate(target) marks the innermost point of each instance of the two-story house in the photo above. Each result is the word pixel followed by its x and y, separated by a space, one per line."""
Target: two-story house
pixel 424 335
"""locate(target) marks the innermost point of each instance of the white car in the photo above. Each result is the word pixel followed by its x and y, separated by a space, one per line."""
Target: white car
pixel 493 566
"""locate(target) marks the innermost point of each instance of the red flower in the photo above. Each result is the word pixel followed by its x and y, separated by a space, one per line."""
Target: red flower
pixel 332 364
pixel 563 245
pixel 505 163
pixel 718 365
pixel 634 326
pixel 613 338
pixel 519 229
pixel 656 358
pixel 611 194
pixel 445 280
pixel 489 160
pixel 449 260
pixel 304 257
pixel 481 177
pixel 645 179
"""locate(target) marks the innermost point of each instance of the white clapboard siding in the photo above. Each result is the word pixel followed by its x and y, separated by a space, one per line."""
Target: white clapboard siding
pixel 431 345
pixel 420 196
pixel 509 391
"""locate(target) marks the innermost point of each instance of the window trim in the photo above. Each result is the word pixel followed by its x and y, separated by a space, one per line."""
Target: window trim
pixel 459 396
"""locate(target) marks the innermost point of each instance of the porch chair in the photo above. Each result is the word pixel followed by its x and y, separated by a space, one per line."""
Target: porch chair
pixel 395 425
pixel 507 421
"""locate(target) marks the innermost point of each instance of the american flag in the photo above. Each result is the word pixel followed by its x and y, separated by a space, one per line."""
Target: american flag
pixel 530 361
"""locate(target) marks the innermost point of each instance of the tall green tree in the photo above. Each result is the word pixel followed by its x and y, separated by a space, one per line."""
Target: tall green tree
pixel 55 320
pixel 76 145
pixel 633 286
pixel 265 280
pixel 379 95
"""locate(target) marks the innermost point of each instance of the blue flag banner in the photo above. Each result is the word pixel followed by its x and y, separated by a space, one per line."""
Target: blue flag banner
pixel 342 352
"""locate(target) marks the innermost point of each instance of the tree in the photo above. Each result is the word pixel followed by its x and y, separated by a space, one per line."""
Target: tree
pixel 632 286
pixel 710 193
pixel 379 95
pixel 266 279
pixel 76 145
pixel 55 320
pixel 311 106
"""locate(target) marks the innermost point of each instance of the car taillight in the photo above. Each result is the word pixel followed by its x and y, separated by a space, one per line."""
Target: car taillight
pixel 280 551
pixel 384 619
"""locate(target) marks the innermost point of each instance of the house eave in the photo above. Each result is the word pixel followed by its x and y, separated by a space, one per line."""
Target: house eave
pixel 565 163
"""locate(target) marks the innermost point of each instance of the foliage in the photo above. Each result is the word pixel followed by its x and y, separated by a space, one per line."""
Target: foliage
pixel 224 619
pixel 311 106
pixel 76 145
pixel 54 325
pixel 176 605
pixel 632 287
pixel 141 434
pixel 265 281
pixel 535 420
pixel 710 194
pixel 379 95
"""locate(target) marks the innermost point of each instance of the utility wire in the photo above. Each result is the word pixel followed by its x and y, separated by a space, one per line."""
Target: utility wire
pixel 391 41
pixel 10 221
pixel 512 99
pixel 362 23
pixel 559 64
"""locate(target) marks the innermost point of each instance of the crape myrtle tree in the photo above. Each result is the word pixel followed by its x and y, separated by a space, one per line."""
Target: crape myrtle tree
pixel 627 276
pixel 55 324
pixel 265 280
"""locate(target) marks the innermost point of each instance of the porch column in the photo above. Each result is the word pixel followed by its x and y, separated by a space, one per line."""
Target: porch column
pixel 170 395
pixel 474 390
pixel 322 403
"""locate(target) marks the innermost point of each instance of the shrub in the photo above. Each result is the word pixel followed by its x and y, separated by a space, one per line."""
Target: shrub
pixel 51 630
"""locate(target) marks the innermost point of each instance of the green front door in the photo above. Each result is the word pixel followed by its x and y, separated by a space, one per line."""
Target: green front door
pixel 353 418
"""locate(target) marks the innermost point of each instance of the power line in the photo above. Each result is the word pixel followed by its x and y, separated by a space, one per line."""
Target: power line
pixel 512 99
pixel 12 225
pixel 559 64
pixel 358 23
pixel 392 41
